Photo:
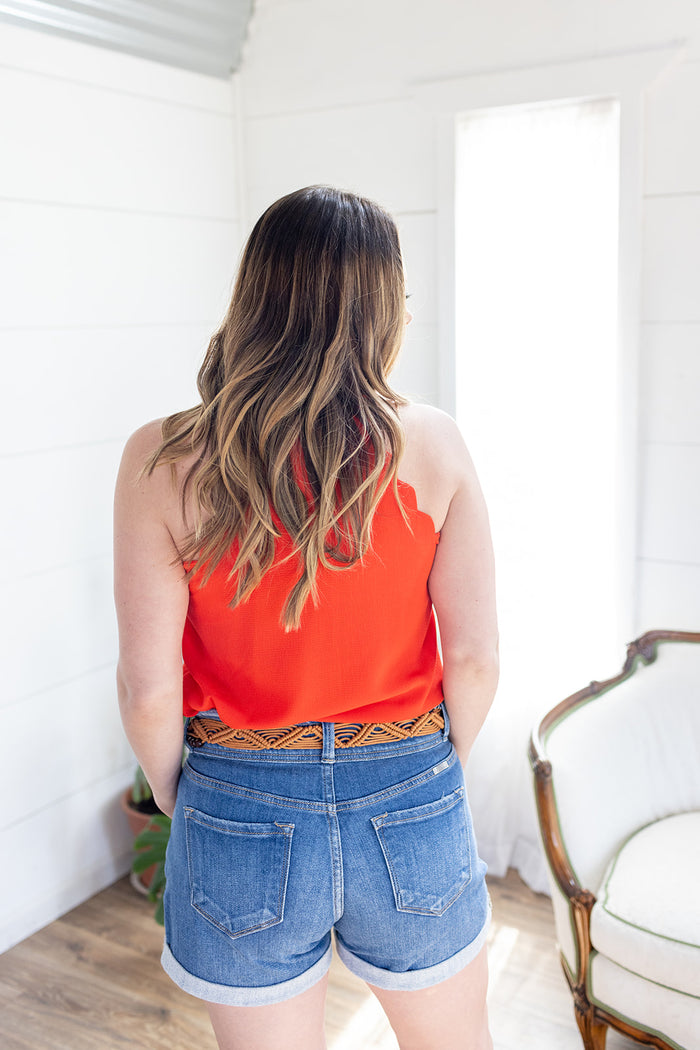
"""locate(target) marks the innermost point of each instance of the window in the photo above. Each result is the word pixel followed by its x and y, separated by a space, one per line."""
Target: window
pixel 537 374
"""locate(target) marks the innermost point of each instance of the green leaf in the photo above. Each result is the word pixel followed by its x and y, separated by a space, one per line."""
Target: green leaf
pixel 146 860
pixel 161 821
pixel 158 914
pixel 151 838
pixel 155 890
pixel 151 847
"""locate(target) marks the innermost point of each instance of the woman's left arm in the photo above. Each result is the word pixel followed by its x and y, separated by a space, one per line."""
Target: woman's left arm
pixel 151 597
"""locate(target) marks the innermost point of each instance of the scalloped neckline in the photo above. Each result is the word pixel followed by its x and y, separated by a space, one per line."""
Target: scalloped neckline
pixel 423 513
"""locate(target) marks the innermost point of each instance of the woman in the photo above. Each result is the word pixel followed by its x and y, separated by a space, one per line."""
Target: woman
pixel 288 538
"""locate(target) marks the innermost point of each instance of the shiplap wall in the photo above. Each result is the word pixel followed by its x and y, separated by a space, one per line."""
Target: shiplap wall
pixel 120 235
pixel 669 548
pixel 330 95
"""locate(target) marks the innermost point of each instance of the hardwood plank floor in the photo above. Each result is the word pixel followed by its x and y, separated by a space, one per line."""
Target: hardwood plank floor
pixel 92 981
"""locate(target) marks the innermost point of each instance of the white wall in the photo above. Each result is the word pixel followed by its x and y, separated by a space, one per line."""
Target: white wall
pixel 118 204
pixel 330 95
pixel 669 544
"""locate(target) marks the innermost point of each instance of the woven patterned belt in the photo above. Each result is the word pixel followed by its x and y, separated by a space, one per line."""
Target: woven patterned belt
pixel 347 734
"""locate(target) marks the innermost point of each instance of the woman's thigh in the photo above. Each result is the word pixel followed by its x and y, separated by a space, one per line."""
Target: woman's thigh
pixel 296 1024
pixel 451 1014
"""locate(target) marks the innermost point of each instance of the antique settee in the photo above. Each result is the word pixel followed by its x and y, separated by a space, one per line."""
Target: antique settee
pixel 617 782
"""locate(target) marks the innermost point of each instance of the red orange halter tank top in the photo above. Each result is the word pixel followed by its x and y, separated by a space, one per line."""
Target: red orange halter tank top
pixel 367 653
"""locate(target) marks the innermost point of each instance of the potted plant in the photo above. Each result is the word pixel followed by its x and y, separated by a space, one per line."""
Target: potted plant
pixel 151 845
pixel 151 831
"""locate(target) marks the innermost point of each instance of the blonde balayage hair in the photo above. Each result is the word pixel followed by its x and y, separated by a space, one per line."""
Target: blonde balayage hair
pixel 297 418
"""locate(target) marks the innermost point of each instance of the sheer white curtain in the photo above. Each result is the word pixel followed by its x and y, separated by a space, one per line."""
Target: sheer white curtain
pixel 537 392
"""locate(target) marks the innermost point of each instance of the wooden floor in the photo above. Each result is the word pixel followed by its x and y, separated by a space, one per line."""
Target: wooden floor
pixel 92 981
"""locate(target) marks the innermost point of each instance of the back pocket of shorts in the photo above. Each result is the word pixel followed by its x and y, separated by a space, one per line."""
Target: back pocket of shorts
pixel 238 872
pixel 427 852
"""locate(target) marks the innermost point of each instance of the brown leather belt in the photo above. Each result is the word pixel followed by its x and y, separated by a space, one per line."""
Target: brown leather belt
pixel 347 734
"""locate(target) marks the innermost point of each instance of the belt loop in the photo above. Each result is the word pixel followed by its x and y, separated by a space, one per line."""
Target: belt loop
pixel 328 753
pixel 446 729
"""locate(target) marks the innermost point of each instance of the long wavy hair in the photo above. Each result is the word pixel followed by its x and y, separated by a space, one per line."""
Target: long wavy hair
pixel 297 429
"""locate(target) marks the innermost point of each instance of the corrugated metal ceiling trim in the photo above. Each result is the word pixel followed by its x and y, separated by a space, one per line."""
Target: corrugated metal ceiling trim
pixel 206 37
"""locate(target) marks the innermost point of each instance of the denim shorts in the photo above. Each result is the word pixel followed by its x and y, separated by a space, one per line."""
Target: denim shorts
pixel 271 851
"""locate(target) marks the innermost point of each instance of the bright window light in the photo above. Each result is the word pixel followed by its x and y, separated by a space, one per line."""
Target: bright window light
pixel 537 381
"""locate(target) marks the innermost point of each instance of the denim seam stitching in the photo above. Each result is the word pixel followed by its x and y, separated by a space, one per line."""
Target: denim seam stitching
pixel 451 801
pixel 282 891
pixel 235 831
pixel 310 805
pixel 396 789
pixel 437 914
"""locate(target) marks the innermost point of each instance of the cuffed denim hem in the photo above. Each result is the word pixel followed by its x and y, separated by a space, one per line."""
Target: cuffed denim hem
pixel 228 996
pixel 414 979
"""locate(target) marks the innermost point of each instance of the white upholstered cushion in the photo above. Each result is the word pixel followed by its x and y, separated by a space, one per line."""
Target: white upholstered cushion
pixel 672 1015
pixel 647 916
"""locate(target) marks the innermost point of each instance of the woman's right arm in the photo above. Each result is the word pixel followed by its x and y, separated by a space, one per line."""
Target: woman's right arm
pixel 463 591
pixel 151 597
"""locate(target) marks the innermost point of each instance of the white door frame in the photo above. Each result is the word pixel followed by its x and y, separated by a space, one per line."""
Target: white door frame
pixel 625 77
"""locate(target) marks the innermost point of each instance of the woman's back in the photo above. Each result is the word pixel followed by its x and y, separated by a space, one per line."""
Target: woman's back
pixel 282 537
pixel 365 652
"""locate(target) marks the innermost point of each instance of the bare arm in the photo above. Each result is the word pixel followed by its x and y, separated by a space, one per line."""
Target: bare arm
pixel 151 597
pixel 462 587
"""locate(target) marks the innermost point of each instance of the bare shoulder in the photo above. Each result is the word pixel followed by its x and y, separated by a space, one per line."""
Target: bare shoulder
pixel 435 458
pixel 142 444
pixel 140 447
pixel 133 481
pixel 415 415
pixel 433 442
